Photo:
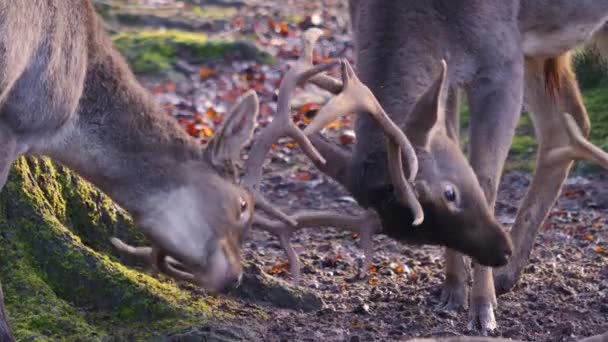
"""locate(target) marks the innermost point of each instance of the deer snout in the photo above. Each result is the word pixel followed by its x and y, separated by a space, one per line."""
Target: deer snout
pixel 501 249
pixel 225 271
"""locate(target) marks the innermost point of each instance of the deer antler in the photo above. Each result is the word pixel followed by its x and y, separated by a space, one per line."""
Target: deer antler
pixel 156 258
pixel 366 225
pixel 352 96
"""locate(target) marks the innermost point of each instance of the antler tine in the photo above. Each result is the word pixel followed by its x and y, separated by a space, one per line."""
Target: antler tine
pixel 365 224
pixel 356 97
pixel 580 147
pixel 156 258
pixel 282 125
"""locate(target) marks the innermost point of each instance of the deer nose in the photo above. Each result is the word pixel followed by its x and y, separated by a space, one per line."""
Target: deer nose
pixel 232 283
pixel 506 254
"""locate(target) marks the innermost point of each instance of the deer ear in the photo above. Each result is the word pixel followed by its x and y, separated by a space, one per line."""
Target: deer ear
pixel 236 132
pixel 428 115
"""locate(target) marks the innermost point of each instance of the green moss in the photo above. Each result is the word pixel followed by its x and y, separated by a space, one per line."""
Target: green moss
pixel 213 12
pixel 156 51
pixel 57 286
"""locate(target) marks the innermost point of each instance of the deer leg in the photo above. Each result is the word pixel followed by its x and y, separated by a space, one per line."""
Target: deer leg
pixel 454 294
pixel 562 138
pixel 8 151
pixel 495 98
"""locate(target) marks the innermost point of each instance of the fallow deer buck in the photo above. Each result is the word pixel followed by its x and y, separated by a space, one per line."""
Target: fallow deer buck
pixel 494 48
pixel 66 93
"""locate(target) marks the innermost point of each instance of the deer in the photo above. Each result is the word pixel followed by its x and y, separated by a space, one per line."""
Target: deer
pixel 393 60
pixel 67 94
pixel 396 44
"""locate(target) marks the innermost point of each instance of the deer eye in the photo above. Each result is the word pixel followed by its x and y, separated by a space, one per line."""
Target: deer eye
pixel 450 193
pixel 243 205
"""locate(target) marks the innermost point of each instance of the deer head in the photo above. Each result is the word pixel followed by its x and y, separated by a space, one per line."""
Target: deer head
pixel 433 196
pixel 455 209
pixel 202 222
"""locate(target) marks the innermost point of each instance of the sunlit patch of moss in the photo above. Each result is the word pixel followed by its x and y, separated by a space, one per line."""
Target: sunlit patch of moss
pixel 156 50
pixel 213 12
pixel 56 287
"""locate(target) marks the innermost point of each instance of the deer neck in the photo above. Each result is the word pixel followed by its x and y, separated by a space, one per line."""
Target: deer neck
pixel 120 139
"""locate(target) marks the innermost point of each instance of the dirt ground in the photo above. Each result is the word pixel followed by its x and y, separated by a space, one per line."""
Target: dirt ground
pixel 562 296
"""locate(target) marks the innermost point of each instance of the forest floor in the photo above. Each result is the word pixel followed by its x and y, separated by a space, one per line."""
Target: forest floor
pixel 563 293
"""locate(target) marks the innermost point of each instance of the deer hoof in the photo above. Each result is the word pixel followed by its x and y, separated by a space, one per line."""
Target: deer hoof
pixel 481 317
pixel 454 296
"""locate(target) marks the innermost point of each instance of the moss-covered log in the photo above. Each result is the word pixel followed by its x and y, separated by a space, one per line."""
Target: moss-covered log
pixel 61 279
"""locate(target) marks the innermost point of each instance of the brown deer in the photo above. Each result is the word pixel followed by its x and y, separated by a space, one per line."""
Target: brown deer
pixel 66 93
pixel 494 48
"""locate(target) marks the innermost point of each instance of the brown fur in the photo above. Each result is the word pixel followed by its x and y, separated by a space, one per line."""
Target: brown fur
pixel 65 92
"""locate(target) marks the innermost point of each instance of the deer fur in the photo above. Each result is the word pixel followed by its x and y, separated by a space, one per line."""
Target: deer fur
pixel 66 93
pixel 493 49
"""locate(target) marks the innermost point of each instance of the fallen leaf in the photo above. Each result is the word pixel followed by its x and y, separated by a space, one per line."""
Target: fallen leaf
pixel 170 87
pixel 303 176
pixel 279 268
pixel 399 269
pixel 206 72
pixel 207 132
pixel 589 237
pixel 373 281
pixel 372 268
pixel 600 250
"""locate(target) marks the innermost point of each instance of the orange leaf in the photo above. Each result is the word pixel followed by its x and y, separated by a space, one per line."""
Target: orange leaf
pixel 206 72
pixel 335 124
pixel 170 87
pixel 191 129
pixel 303 176
pixel 372 268
pixel 373 281
pixel 207 132
pixel 276 269
pixel 589 236
pixel 282 28
pixel 308 111
pixel 291 144
pixel 399 269
pixel 600 250
pixel 212 114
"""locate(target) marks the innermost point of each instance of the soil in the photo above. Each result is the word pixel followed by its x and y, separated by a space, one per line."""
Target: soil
pixel 562 295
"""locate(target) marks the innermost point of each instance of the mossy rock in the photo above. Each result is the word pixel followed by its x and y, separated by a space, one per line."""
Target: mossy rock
pixel 156 51
pixel 61 279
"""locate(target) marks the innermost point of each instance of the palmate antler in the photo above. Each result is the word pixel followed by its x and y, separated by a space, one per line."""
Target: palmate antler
pixel 351 96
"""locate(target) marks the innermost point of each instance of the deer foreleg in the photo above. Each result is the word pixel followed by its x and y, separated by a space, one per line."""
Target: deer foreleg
pixel 496 100
pixel 562 138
